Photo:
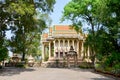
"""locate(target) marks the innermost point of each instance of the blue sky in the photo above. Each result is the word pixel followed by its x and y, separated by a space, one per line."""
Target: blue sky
pixel 57 13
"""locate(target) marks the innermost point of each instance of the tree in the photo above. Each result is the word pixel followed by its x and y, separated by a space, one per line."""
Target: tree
pixel 103 21
pixel 3 53
pixel 79 11
pixel 21 14
pixel 4 17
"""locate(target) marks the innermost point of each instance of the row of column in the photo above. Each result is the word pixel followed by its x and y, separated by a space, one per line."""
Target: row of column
pixel 80 53
pixel 64 42
pixel 68 41
pixel 79 50
pixel 83 53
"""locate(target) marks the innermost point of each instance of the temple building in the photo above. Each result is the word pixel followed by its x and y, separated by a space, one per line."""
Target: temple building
pixel 56 43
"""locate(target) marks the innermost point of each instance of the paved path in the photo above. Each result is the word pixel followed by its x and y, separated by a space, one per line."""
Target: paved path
pixel 51 74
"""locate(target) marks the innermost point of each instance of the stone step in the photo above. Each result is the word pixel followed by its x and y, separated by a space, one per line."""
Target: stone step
pixel 54 59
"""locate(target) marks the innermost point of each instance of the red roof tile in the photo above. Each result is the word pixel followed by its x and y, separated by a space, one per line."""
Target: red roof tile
pixel 50 29
pixel 45 35
pixel 62 27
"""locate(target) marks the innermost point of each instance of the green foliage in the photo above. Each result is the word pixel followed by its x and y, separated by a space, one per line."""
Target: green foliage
pixel 103 27
pixel 21 7
pixel 22 18
pixel 116 69
pixel 46 57
pixel 112 59
pixel 0 67
pixel 3 53
pixel 85 65
pixel 57 62
pixel 110 64
pixel 20 65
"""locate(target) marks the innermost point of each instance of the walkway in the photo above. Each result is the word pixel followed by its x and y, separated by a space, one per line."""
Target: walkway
pixel 51 74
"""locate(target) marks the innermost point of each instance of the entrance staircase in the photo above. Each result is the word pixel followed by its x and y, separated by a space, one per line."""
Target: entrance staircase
pixel 61 62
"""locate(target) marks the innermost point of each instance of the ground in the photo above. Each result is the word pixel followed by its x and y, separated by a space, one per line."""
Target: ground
pixel 51 74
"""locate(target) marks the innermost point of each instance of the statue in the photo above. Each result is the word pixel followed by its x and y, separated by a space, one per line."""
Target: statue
pixel 71 48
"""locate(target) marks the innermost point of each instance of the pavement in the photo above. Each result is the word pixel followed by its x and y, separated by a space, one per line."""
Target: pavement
pixel 52 74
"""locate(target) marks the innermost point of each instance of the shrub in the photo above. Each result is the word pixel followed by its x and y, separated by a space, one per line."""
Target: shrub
pixel 57 62
pixel 46 57
pixel 20 65
pixel 98 66
pixel 86 65
pixel 0 67
pixel 116 69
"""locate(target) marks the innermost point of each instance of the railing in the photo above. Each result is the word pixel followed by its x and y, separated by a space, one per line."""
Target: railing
pixel 65 35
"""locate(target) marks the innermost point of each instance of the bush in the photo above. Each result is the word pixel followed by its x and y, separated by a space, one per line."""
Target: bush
pixel 98 66
pixel 116 69
pixel 86 65
pixel 3 53
pixel 0 67
pixel 57 62
pixel 112 59
pixel 46 57
pixel 20 65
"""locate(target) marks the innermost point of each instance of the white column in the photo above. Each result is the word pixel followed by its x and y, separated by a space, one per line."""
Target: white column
pixel 73 44
pixel 82 49
pixel 88 53
pixel 49 50
pixel 63 43
pixel 78 49
pixel 59 49
pixel 58 43
pixel 63 47
pixel 43 52
pixel 68 44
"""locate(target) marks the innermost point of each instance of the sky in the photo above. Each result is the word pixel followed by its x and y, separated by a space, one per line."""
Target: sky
pixel 57 13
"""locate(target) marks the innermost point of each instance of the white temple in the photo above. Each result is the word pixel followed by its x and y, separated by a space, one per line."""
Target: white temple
pixel 57 42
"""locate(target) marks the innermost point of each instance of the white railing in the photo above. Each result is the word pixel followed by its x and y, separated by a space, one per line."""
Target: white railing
pixel 65 35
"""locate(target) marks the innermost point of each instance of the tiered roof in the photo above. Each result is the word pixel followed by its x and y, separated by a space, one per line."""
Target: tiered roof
pixel 62 27
pixel 60 31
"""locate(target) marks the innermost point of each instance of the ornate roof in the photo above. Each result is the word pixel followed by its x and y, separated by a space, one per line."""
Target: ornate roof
pixel 60 31
pixel 62 27
pixel 45 35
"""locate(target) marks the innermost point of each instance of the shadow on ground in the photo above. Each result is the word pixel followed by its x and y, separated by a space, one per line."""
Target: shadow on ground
pixel 10 71
pixel 93 71
pixel 100 79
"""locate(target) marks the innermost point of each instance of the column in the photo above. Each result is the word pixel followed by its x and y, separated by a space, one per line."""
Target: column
pixel 82 49
pixel 54 48
pixel 73 44
pixel 43 52
pixel 59 49
pixel 63 47
pixel 58 43
pixel 88 53
pixel 78 48
pixel 49 50
pixel 68 44
pixel 63 43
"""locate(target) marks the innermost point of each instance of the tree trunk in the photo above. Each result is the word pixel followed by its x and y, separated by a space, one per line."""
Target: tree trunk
pixel 23 56
pixel 93 57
